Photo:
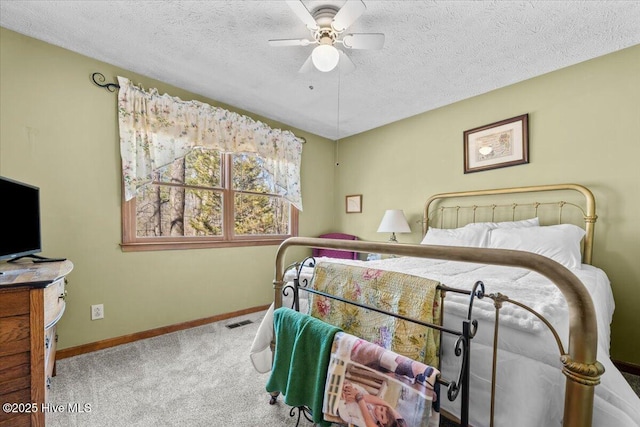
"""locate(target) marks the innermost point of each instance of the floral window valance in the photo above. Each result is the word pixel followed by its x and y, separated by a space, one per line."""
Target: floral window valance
pixel 156 130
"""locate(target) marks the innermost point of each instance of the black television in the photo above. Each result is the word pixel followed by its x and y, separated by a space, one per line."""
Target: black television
pixel 20 219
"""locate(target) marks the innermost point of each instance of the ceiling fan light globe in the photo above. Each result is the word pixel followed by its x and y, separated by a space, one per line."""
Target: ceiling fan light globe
pixel 325 57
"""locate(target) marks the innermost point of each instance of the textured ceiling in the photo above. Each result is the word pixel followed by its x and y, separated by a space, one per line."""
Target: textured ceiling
pixel 435 52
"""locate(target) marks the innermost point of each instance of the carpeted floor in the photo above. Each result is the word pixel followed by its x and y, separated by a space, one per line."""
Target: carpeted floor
pixel 634 381
pixel 197 377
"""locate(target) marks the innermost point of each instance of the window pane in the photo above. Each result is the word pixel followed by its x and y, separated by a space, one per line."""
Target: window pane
pixel 191 202
pixel 200 168
pixel 249 174
pixel 256 214
pixel 164 211
pixel 204 213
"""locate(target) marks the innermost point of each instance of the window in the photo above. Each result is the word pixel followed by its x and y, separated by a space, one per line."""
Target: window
pixel 208 199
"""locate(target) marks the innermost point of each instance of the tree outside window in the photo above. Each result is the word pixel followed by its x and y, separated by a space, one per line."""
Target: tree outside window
pixel 208 199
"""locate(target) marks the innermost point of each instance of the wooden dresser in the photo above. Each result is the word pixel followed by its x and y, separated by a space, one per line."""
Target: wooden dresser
pixel 32 301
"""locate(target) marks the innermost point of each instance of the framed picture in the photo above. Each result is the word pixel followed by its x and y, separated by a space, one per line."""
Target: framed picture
pixel 498 145
pixel 353 203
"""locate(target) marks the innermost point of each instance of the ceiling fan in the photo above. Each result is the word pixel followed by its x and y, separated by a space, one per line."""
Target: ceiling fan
pixel 327 25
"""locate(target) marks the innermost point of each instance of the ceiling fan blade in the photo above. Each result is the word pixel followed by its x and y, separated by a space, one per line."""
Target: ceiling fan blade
pixel 290 42
pixel 307 66
pixel 346 16
pixel 363 41
pixel 346 65
pixel 303 13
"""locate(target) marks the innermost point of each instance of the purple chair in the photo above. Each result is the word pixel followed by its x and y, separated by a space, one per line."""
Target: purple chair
pixel 334 253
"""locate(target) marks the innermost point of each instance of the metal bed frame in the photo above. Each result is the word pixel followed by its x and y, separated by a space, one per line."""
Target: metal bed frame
pixel 462 348
pixel 580 367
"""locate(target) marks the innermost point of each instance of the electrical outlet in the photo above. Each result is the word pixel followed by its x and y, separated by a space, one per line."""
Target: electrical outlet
pixel 97 312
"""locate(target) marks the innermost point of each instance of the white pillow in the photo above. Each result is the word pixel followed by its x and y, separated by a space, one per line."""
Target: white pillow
pixel 473 235
pixel 561 242
pixel 531 222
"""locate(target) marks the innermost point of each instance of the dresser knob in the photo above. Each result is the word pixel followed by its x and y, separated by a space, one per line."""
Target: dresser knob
pixel 63 295
pixel 46 342
pixel 48 383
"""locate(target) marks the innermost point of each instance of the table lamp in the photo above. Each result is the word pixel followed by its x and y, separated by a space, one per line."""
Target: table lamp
pixel 394 222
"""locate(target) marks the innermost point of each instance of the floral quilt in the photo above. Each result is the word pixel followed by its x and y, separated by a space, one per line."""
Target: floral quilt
pixel 411 296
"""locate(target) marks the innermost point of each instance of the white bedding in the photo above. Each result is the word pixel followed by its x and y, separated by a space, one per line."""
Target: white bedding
pixel 530 383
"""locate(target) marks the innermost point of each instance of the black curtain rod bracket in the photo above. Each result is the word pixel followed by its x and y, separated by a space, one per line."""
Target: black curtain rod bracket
pixel 99 79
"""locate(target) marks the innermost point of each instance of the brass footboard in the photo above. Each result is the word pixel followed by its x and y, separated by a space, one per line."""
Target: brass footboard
pixel 581 368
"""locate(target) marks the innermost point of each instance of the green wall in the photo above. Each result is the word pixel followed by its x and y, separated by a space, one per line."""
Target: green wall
pixel 59 131
pixel 584 125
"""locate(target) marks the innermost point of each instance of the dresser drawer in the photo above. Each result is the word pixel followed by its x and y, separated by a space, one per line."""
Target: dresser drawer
pixel 54 296
pixel 14 373
pixel 50 344
pixel 14 302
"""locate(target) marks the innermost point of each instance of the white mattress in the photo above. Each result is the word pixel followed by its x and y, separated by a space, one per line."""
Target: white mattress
pixel 530 385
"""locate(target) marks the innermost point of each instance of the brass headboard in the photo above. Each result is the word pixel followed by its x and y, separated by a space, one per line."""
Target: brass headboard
pixel 453 216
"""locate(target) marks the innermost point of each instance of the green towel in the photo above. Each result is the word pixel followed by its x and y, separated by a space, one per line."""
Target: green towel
pixel 303 347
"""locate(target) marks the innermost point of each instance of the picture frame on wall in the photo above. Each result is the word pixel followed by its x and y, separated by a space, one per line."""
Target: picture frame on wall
pixel 353 203
pixel 497 145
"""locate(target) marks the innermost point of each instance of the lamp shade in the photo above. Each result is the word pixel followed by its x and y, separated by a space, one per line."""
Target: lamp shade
pixel 394 221
pixel 325 57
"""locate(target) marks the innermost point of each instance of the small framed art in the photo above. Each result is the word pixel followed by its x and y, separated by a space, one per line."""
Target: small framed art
pixel 353 203
pixel 497 145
